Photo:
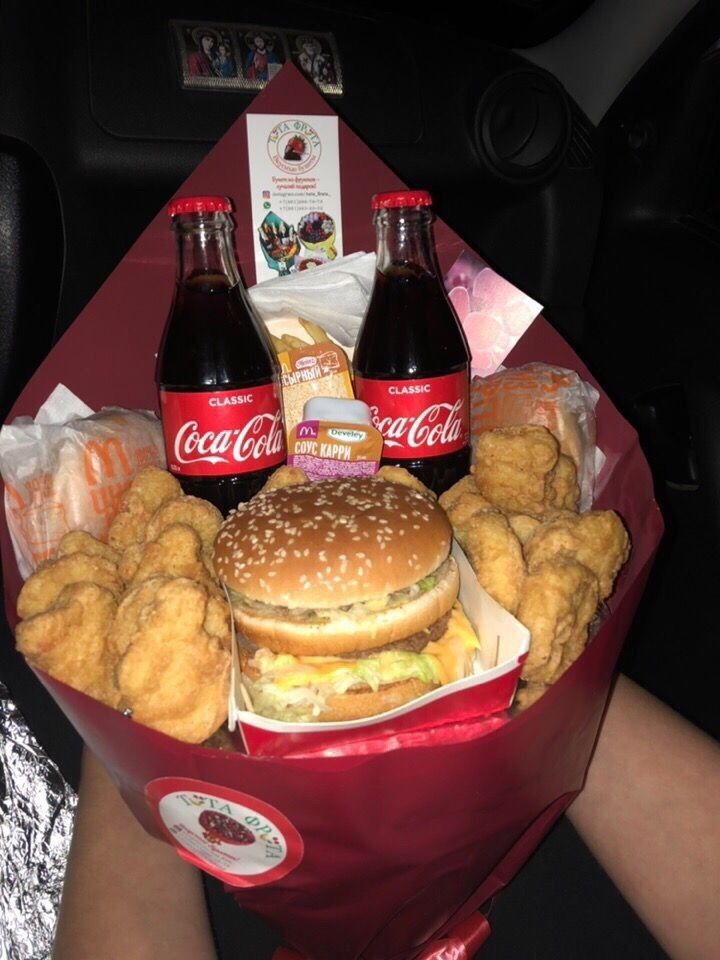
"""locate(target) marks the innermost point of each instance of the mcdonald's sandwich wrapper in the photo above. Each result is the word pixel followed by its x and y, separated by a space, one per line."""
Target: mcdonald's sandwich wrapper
pixel 67 469
pixel 379 840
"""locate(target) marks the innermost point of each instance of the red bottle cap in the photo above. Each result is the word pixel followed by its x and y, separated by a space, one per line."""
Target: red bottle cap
pixel 401 198
pixel 198 205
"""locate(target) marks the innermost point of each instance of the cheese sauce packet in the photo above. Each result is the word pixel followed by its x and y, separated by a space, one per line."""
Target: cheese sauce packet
pixel 315 370
pixel 335 438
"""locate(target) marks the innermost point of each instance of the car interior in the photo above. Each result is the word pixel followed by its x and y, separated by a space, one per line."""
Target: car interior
pixel 575 144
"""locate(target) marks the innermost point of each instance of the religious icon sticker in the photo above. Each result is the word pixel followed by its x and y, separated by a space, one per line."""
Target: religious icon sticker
pixel 295 192
pixel 207 54
pixel 316 55
pixel 239 839
pixel 232 56
pixel 262 54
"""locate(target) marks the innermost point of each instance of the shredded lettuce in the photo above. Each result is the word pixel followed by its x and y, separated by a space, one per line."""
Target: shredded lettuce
pixel 286 689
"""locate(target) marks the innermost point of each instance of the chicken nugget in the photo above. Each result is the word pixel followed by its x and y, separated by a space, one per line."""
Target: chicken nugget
pixel 558 601
pixel 404 478
pixel 598 540
pixel 177 552
pixel 42 588
pixel 465 485
pixel 129 524
pixel 571 651
pixel 154 487
pixel 217 618
pixel 465 507
pixel 149 490
pixel 130 561
pixel 511 467
pixel 284 477
pixel 527 694
pixel 496 557
pixel 220 740
pixel 202 516
pixel 69 640
pixel 173 668
pixel 78 541
pixel 561 486
pixel 523 526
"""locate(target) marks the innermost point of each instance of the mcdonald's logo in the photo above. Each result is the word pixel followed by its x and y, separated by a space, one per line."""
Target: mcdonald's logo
pixel 104 459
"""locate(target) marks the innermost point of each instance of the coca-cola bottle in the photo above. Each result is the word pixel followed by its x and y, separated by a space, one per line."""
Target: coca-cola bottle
pixel 217 375
pixel 412 363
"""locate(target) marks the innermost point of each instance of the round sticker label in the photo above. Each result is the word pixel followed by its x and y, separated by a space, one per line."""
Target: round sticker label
pixel 237 838
pixel 294 146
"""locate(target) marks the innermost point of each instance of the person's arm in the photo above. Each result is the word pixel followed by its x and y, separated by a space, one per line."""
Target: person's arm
pixel 127 896
pixel 650 813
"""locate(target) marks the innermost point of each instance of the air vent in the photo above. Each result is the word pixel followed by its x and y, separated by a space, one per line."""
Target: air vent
pixel 580 154
pixel 523 125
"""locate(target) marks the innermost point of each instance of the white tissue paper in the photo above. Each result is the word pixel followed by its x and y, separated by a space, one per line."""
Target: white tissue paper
pixel 335 296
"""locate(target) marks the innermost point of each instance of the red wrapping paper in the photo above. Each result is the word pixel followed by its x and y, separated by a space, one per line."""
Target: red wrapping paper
pixel 387 851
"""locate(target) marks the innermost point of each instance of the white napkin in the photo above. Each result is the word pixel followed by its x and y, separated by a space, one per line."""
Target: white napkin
pixel 335 296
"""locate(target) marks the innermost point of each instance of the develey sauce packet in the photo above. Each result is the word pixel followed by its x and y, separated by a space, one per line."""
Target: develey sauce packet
pixel 326 449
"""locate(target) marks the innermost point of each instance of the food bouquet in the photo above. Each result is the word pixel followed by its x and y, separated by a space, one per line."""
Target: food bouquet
pixel 384 778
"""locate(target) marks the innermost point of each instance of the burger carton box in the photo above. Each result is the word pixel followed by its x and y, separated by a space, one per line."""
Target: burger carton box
pixel 418 827
pixel 504 643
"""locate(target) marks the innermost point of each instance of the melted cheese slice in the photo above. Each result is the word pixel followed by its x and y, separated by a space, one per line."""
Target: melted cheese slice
pixel 455 649
pixel 441 662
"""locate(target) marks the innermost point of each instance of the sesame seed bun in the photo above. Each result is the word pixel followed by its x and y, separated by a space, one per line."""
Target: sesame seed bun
pixel 339 569
pixel 330 544
pixel 354 632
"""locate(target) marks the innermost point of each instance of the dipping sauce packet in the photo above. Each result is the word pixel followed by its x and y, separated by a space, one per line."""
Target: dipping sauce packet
pixel 317 369
pixel 335 439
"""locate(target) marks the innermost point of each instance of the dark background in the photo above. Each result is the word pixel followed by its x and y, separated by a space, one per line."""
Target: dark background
pixel 614 227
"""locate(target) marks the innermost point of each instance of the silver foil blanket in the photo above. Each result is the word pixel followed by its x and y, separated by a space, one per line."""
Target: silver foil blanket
pixel 36 821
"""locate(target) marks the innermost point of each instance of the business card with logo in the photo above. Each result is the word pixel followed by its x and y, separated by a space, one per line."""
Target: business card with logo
pixel 295 195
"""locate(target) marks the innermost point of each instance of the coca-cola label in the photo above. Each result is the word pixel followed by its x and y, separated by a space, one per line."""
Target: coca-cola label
pixel 419 418
pixel 223 432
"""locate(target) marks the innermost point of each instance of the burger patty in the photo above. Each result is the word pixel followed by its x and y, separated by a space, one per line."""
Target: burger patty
pixel 415 643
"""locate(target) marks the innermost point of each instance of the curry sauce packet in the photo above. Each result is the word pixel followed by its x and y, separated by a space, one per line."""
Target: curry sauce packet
pixel 335 439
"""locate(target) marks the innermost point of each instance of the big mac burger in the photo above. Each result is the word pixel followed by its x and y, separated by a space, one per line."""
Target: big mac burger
pixel 344 596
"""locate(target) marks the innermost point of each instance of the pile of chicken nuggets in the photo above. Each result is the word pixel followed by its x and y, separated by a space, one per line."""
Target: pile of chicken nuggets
pixel 516 518
pixel 138 623
pixel 141 624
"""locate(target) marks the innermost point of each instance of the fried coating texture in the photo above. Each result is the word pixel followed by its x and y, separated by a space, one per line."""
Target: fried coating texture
pixel 558 602
pixel 527 694
pixel 173 666
pixel 130 561
pixel 69 640
pixel 284 477
pixel 496 557
pixel 402 476
pixel 512 466
pixel 42 588
pixel 220 740
pixel 561 489
pixel 78 541
pixel 452 494
pixel 203 517
pixel 177 552
pixel 523 526
pixel 149 490
pixel 598 540
pixel 463 508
